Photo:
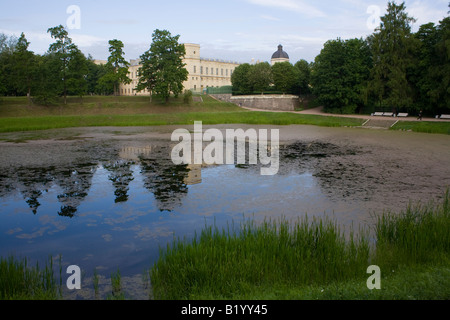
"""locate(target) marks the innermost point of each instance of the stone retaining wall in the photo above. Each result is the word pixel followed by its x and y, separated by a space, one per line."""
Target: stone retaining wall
pixel 265 102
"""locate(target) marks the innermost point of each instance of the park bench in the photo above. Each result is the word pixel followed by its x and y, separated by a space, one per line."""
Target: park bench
pixel 388 114
pixel 445 116
pixel 402 115
pixel 378 114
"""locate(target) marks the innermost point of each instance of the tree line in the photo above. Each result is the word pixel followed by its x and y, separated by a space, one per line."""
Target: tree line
pixel 64 70
pixel 392 70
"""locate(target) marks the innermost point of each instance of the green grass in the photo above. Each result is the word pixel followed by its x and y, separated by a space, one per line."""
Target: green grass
pixel 137 111
pixel 305 259
pixel 424 126
pixel 19 281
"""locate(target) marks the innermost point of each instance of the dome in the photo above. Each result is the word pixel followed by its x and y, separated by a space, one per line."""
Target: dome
pixel 280 54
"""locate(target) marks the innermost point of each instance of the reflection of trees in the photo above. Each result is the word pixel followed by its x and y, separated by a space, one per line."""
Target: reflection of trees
pixel 75 183
pixel 121 175
pixel 33 183
pixel 166 181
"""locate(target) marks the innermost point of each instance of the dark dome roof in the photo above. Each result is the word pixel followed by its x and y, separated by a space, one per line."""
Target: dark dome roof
pixel 280 54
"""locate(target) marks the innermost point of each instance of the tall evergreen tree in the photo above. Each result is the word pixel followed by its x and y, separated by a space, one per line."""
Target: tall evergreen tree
pixel 117 66
pixel 163 70
pixel 392 46
pixel 25 65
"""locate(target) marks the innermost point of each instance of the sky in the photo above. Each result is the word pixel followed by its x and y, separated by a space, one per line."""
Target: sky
pixel 235 30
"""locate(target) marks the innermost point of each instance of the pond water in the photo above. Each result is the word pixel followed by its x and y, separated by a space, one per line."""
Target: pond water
pixel 115 206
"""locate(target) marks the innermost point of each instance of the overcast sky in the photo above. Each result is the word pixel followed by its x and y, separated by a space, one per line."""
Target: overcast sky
pixel 236 30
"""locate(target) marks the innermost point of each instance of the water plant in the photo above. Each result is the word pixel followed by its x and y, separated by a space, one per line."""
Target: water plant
pixel 19 281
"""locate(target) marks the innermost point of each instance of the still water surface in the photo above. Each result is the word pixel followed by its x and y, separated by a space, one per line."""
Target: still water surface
pixel 118 213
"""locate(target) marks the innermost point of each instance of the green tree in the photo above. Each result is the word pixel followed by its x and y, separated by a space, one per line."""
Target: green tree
pixel 240 79
pixel 392 47
pixel 117 67
pixel 163 71
pixel 304 77
pixel 47 85
pixel 7 49
pixel 25 65
pixel 94 74
pixel 260 77
pixel 62 48
pixel 77 73
pixel 431 75
pixel 340 73
pixel 285 77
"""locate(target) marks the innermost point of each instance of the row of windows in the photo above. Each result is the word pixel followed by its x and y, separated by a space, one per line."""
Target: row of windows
pixel 223 72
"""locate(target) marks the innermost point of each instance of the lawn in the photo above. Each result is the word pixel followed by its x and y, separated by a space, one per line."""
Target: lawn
pixel 16 115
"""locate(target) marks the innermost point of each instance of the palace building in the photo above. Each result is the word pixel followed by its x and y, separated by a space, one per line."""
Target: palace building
pixel 279 56
pixel 203 73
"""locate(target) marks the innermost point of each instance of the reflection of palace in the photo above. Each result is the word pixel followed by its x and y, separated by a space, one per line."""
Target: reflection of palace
pixel 194 175
pixel 134 153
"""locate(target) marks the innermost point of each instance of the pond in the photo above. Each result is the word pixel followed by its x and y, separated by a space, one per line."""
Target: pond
pixel 112 204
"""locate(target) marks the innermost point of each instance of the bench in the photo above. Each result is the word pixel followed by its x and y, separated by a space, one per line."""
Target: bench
pixel 445 116
pixel 402 115
pixel 388 114
pixel 378 114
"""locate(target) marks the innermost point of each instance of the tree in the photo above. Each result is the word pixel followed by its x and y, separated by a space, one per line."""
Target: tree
pixel 117 66
pixel 63 48
pixel 240 79
pixel 77 73
pixel 260 77
pixel 25 65
pixel 163 71
pixel 392 46
pixel 304 77
pixel 340 73
pixel 47 84
pixel 7 49
pixel 285 77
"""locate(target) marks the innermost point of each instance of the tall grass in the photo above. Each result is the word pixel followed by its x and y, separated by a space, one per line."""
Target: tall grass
pixel 256 260
pixel 420 234
pixel 19 281
pixel 233 260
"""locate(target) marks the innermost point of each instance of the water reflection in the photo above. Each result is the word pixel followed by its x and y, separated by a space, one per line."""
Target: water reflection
pixel 116 207
pixel 168 183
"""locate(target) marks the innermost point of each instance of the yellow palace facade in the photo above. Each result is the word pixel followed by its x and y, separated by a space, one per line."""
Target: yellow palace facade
pixel 203 73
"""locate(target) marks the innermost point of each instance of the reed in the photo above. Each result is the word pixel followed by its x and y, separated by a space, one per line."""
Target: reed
pixel 275 252
pixel 19 281
pixel 420 234
pixel 116 283
pixel 259 259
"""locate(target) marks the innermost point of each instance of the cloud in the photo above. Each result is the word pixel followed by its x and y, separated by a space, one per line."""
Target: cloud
pixel 425 13
pixel 267 17
pixel 292 5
